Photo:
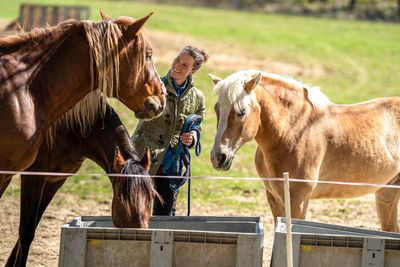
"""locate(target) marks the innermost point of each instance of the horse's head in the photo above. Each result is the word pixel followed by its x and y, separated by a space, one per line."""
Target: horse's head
pixel 140 87
pixel 133 196
pixel 238 116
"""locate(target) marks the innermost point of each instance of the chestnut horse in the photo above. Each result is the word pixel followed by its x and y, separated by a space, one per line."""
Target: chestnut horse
pixel 300 131
pixel 45 72
pixel 133 196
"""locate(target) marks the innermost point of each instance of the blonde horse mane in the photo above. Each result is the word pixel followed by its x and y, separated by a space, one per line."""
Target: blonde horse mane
pixel 231 90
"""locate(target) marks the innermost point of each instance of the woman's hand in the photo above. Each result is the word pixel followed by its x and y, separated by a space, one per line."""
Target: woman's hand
pixel 186 139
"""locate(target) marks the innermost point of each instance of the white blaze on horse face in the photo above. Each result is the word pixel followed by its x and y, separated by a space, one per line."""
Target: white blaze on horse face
pixel 222 145
pixel 217 140
pixel 222 123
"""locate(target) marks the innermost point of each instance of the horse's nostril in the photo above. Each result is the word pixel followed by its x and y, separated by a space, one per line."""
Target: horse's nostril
pixel 221 157
pixel 150 106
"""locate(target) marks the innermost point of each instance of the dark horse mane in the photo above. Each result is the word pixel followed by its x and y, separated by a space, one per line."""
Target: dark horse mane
pixel 129 195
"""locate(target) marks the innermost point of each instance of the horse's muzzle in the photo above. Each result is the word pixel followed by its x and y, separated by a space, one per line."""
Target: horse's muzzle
pixel 221 161
pixel 152 108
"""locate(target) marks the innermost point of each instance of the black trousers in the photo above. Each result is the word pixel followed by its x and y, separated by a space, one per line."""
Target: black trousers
pixel 169 196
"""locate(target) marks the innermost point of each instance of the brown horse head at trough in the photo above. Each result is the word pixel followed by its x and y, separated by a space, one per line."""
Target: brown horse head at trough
pixel 300 131
pixel 140 216
pixel 45 72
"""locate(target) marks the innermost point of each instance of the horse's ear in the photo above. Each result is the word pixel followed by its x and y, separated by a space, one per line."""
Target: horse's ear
pixel 250 85
pixel 214 78
pixel 119 161
pixel 146 160
pixel 104 16
pixel 136 27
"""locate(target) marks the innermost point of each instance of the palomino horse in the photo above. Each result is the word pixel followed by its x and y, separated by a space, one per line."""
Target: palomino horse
pixel 45 72
pixel 298 130
pixel 133 196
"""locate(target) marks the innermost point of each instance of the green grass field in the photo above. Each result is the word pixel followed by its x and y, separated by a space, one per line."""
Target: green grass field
pixel 358 60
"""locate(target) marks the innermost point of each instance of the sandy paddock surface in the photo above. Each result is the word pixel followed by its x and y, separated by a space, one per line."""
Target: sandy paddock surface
pixel 45 248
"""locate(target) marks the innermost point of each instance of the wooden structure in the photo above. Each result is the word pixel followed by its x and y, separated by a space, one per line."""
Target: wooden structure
pixel 32 15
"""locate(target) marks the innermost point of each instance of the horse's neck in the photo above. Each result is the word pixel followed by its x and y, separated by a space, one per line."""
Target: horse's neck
pixel 99 144
pixel 32 47
pixel 282 118
pixel 105 136
pixel 64 78
pixel 126 146
pixel 121 135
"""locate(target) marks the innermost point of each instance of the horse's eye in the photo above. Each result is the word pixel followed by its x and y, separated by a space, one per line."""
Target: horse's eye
pixel 149 54
pixel 241 114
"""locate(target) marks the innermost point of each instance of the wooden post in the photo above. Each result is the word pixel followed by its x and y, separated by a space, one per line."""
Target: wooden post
pixel 23 16
pixel 43 16
pixel 289 248
pixel 31 11
pixel 54 18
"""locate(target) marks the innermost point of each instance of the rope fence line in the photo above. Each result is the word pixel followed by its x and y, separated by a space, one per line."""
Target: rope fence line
pixel 199 178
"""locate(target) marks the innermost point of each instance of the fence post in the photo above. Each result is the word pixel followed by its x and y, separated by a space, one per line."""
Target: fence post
pixel 289 248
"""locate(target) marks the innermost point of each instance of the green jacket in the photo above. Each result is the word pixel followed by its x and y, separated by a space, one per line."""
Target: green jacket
pixel 157 134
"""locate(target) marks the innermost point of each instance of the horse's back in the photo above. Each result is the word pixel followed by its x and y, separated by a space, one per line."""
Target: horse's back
pixel 370 107
pixel 363 122
pixel 362 145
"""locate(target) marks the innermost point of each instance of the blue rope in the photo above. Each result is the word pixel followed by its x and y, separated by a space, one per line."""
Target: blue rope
pixel 175 162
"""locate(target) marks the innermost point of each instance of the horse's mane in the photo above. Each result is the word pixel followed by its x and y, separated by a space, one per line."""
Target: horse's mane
pixel 134 188
pixel 34 39
pixel 102 38
pixel 231 90
pixel 81 117
pixel 104 55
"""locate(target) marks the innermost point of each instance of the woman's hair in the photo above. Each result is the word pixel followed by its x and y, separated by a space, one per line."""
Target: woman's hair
pixel 200 56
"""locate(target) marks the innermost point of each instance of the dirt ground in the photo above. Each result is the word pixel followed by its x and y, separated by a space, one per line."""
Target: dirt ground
pixel 45 248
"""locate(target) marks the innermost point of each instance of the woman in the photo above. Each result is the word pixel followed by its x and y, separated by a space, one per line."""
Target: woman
pixel 163 134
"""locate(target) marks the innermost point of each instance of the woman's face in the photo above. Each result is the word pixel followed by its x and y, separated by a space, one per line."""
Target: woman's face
pixel 182 66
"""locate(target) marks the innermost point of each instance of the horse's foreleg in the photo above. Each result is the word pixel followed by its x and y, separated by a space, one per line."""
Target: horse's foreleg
pixel 50 189
pixel 274 201
pixel 299 192
pixel 386 201
pixel 276 204
pixel 4 182
pixel 299 198
pixel 20 252
pixel 31 193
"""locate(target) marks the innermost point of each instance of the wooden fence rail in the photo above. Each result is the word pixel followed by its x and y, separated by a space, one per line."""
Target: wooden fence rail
pixel 31 15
